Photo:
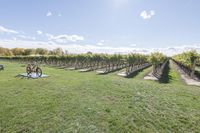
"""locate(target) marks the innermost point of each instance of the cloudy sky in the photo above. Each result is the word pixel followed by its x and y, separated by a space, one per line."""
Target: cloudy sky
pixel 107 26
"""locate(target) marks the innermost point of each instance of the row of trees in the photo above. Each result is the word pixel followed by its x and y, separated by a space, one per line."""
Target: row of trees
pixel 198 61
pixel 188 61
pixel 158 61
pixel 96 61
pixel 31 51
pixel 135 61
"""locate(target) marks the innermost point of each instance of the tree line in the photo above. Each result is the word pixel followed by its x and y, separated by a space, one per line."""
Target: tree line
pixel 30 51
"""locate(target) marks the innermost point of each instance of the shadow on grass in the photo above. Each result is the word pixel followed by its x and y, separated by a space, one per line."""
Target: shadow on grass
pixel 197 73
pixel 166 78
pixel 111 71
pixel 134 74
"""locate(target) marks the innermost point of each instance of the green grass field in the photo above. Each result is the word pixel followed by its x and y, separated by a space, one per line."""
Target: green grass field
pixel 70 101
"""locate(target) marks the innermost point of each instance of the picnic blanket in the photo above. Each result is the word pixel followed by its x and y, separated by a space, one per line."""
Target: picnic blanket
pixel 32 75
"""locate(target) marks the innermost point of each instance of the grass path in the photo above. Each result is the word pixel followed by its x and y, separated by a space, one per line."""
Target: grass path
pixel 174 76
pixel 70 101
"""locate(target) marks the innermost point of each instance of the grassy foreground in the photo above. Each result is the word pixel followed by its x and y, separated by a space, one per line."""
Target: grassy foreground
pixel 69 101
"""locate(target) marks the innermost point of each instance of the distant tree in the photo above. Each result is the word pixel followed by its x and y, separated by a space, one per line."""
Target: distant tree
pixel 57 51
pixel 5 52
pixel 156 58
pixel 1 51
pixel 66 52
pixel 29 51
pixel 89 52
pixel 50 52
pixel 17 51
pixel 41 51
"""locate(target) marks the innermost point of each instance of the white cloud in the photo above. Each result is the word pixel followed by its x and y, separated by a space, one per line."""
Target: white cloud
pixel 65 38
pixel 182 48
pixel 26 37
pixel 49 13
pixel 14 38
pixel 5 30
pixel 39 32
pixel 101 43
pixel 59 15
pixel 72 48
pixel 77 48
pixel 147 14
pixel 133 45
pixel 49 36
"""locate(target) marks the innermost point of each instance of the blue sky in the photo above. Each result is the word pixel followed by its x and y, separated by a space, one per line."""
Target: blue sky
pixel 106 25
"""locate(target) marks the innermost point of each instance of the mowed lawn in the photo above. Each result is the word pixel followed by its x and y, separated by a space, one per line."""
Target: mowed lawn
pixel 70 101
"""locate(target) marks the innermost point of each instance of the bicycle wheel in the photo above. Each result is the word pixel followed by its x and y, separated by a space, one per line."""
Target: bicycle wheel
pixel 38 72
pixel 28 70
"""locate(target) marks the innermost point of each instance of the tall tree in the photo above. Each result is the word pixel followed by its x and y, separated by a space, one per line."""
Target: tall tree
pixel 18 51
pixel 41 51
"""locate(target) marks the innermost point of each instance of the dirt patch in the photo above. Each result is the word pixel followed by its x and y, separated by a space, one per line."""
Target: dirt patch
pixel 150 76
pixel 186 78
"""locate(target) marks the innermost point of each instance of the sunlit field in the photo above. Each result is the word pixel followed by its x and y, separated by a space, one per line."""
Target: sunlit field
pixel 99 66
pixel 70 101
